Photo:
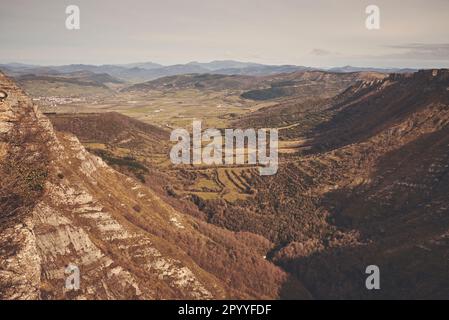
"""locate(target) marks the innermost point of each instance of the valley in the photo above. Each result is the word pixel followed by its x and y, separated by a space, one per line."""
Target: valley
pixel 362 179
pixel 61 204
pixel 220 158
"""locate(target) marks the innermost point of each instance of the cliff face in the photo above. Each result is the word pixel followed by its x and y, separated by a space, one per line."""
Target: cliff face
pixel 60 205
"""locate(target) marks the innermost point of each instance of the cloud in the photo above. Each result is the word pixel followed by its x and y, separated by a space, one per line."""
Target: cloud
pixel 320 52
pixel 420 51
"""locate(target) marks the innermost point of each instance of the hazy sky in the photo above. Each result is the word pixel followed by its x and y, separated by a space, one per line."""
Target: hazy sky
pixel 413 33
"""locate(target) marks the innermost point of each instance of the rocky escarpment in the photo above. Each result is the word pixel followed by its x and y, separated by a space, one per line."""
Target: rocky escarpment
pixel 62 206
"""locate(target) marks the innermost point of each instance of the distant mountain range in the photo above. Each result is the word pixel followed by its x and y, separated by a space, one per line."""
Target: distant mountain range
pixel 145 71
pixel 360 69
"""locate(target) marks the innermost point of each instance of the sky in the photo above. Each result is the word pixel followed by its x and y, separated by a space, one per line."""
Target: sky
pixel 318 33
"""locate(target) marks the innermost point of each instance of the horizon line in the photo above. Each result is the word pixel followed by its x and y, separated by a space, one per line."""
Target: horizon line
pixel 218 60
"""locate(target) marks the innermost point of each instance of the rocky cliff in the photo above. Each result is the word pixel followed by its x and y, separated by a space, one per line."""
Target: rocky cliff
pixel 60 206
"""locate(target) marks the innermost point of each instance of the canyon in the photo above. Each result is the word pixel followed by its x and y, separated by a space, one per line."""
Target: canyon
pixel 362 180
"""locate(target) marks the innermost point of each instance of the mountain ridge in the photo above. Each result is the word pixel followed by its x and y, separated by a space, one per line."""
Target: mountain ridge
pixel 146 71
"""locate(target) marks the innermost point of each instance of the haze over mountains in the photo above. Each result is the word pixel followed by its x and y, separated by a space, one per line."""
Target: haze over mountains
pixel 139 72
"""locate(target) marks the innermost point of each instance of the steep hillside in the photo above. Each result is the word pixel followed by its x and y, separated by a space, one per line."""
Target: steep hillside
pixel 61 205
pixel 364 111
pixel 110 127
pixel 372 190
pixel 126 144
pixel 309 83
